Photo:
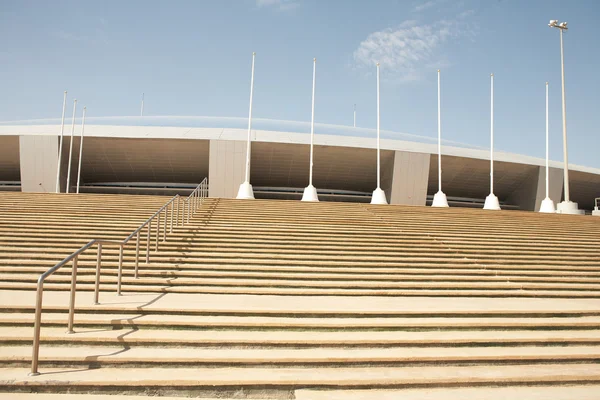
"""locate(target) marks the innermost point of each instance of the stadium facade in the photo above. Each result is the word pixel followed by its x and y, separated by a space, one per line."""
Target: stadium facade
pixel 161 159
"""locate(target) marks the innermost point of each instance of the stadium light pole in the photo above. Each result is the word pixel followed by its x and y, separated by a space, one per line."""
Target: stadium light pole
pixel 310 193
pixel 567 206
pixel 378 196
pixel 547 205
pixel 491 201
pixel 71 146
pixel 439 199
pixel 245 190
pixel 81 148
pixel 142 110
pixel 62 130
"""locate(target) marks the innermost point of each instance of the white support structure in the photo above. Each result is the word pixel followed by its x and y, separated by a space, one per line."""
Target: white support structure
pixel 81 148
pixel 245 191
pixel 547 205
pixel 596 211
pixel 439 199
pixel 378 196
pixel 71 146
pixel 62 130
pixel 310 193
pixel 491 201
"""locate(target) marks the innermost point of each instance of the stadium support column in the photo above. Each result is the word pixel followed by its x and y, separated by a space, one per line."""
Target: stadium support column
pixel 39 157
pixel 226 167
pixel 410 178
pixel 245 192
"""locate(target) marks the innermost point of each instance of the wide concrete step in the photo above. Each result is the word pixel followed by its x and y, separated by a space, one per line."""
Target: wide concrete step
pixel 449 275
pixel 140 356
pixel 300 282
pixel 294 377
pixel 424 323
pixel 128 336
pixel 515 291
pixel 173 247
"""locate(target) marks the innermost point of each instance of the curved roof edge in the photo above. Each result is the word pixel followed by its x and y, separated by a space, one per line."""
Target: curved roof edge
pixel 166 132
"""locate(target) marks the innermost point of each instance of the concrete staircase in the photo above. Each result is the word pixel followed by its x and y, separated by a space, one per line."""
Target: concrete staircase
pixel 281 299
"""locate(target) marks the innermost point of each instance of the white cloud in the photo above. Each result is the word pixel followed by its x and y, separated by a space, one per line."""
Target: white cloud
pixel 406 50
pixel 281 5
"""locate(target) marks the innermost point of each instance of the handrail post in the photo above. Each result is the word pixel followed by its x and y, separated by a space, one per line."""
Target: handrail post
pixel 120 273
pixel 188 211
pixel 72 297
pixel 157 231
pixel 137 253
pixel 165 227
pixel 148 242
pixel 36 328
pixel 172 212
pixel 98 266
pixel 177 212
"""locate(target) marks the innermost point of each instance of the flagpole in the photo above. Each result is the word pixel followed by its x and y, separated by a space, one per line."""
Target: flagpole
pixel 378 196
pixel 71 147
pixel 62 129
pixel 245 191
pixel 310 193
pixel 491 201
pixel 81 148
pixel 439 199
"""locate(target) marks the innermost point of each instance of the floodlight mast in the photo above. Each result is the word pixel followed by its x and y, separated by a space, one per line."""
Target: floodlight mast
pixel 562 26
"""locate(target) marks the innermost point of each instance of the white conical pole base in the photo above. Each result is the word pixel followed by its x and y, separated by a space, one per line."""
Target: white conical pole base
pixel 310 194
pixel 378 197
pixel 245 192
pixel 547 206
pixel 567 207
pixel 491 202
pixel 440 200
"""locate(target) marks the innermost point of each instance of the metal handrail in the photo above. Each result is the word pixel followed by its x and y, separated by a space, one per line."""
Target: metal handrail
pixel 196 197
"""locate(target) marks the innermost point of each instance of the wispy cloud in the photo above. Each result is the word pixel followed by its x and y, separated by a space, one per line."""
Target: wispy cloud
pixel 424 6
pixel 405 50
pixel 280 5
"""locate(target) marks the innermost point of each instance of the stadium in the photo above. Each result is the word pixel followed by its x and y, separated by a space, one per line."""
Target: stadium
pixel 155 159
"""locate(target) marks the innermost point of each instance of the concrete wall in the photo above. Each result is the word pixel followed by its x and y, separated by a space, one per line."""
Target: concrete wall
pixel 410 179
pixel 39 160
pixel 226 167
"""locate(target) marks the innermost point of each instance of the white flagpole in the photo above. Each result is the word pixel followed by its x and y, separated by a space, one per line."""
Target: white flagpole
pixel 310 193
pixel 439 199
pixel 81 148
pixel 547 205
pixel 378 196
pixel 245 190
pixel 491 202
pixel 71 146
pixel 62 129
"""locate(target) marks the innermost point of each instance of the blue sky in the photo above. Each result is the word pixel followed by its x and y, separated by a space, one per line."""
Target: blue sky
pixel 193 58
